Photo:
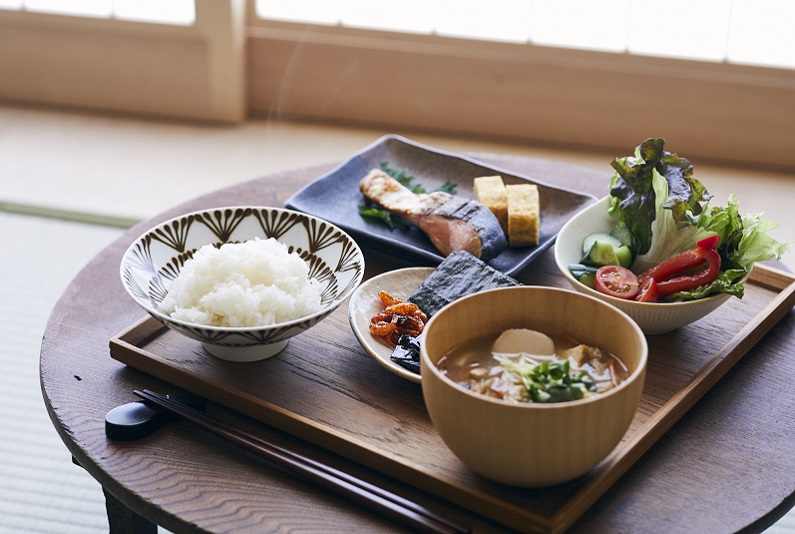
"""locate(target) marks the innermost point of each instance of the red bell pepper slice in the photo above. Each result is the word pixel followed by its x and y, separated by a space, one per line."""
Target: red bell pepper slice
pixel 648 291
pixel 710 242
pixel 675 274
pixel 686 282
pixel 685 261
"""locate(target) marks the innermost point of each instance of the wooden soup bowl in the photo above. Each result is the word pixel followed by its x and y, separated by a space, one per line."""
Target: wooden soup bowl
pixel 531 444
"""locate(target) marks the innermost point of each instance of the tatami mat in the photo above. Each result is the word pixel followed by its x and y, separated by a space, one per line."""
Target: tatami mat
pixel 41 490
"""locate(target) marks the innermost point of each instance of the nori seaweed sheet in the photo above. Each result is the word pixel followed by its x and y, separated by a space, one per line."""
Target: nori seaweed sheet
pixel 460 274
pixel 407 353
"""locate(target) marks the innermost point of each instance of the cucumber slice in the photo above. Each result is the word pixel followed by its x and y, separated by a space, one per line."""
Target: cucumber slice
pixel 589 241
pixel 583 273
pixel 605 249
pixel 624 256
pixel 600 253
pixel 623 234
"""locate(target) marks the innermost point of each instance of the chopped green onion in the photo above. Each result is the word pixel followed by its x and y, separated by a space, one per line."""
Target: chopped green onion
pixel 550 381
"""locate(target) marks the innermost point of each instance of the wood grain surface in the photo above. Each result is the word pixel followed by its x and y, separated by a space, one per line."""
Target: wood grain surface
pixel 391 431
pixel 725 465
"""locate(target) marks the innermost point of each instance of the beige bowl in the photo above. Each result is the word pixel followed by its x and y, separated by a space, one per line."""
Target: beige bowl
pixel 652 317
pixel 526 444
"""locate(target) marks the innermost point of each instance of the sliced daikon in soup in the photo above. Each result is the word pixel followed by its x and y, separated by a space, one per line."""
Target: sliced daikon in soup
pixel 524 341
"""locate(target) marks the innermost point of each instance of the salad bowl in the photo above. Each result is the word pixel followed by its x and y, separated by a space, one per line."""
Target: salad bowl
pixel 652 317
pixel 673 258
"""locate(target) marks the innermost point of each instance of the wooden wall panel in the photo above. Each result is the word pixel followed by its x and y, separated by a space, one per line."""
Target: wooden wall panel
pixel 124 73
pixel 194 72
pixel 550 96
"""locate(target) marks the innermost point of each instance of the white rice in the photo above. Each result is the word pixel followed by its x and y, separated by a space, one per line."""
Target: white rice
pixel 255 283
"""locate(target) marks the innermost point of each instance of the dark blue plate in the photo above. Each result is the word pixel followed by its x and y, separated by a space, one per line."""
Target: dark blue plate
pixel 335 197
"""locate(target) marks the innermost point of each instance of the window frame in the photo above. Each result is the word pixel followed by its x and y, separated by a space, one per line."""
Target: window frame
pixel 106 63
pixel 230 65
pixel 520 93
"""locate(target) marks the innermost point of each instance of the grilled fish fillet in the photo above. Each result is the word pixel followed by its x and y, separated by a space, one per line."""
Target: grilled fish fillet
pixel 451 223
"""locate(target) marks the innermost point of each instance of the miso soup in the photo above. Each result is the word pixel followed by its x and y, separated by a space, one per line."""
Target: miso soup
pixel 524 365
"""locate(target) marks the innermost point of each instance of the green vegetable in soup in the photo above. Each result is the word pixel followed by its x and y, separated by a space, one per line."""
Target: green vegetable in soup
pixel 550 381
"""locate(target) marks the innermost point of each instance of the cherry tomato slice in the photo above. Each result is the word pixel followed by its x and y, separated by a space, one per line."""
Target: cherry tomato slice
pixel 616 281
pixel 648 291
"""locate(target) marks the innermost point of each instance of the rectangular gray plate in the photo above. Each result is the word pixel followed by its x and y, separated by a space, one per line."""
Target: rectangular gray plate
pixel 335 197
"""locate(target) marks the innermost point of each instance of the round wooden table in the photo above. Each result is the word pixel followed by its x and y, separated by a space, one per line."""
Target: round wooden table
pixel 725 466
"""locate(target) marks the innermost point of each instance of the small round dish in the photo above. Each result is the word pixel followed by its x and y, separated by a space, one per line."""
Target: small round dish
pixel 364 304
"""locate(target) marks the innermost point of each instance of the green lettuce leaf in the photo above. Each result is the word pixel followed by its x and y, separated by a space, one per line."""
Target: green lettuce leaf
pixel 726 282
pixel 669 236
pixel 655 196
pixel 755 243
pixel 743 240
pixel 634 199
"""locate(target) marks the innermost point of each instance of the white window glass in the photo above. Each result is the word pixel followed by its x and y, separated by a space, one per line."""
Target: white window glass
pixel 583 24
pixel 410 16
pixel 689 29
pixel 162 11
pixel 310 11
pixel 10 4
pixel 762 33
pixel 496 20
pixel 756 32
pixel 86 8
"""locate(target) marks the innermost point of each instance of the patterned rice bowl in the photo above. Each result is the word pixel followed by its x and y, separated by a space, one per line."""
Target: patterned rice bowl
pixel 154 260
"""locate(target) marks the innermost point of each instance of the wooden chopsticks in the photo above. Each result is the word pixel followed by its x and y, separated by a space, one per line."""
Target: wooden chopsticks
pixel 379 500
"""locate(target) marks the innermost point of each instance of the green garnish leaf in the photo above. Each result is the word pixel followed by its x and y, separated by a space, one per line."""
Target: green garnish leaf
pixel 403 176
pixel 448 187
pixel 406 180
pixel 550 381
pixel 377 213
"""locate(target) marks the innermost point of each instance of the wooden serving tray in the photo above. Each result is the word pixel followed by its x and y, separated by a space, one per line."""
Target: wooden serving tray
pixel 325 389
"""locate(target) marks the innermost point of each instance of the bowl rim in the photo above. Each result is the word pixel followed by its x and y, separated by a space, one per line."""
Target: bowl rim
pixel 637 374
pixel 564 269
pixel 239 329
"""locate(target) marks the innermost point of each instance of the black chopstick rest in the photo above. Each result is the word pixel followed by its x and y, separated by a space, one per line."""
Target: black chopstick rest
pixel 136 420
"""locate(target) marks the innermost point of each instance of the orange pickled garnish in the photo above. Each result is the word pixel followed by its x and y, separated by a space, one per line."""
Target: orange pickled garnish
pixel 398 318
